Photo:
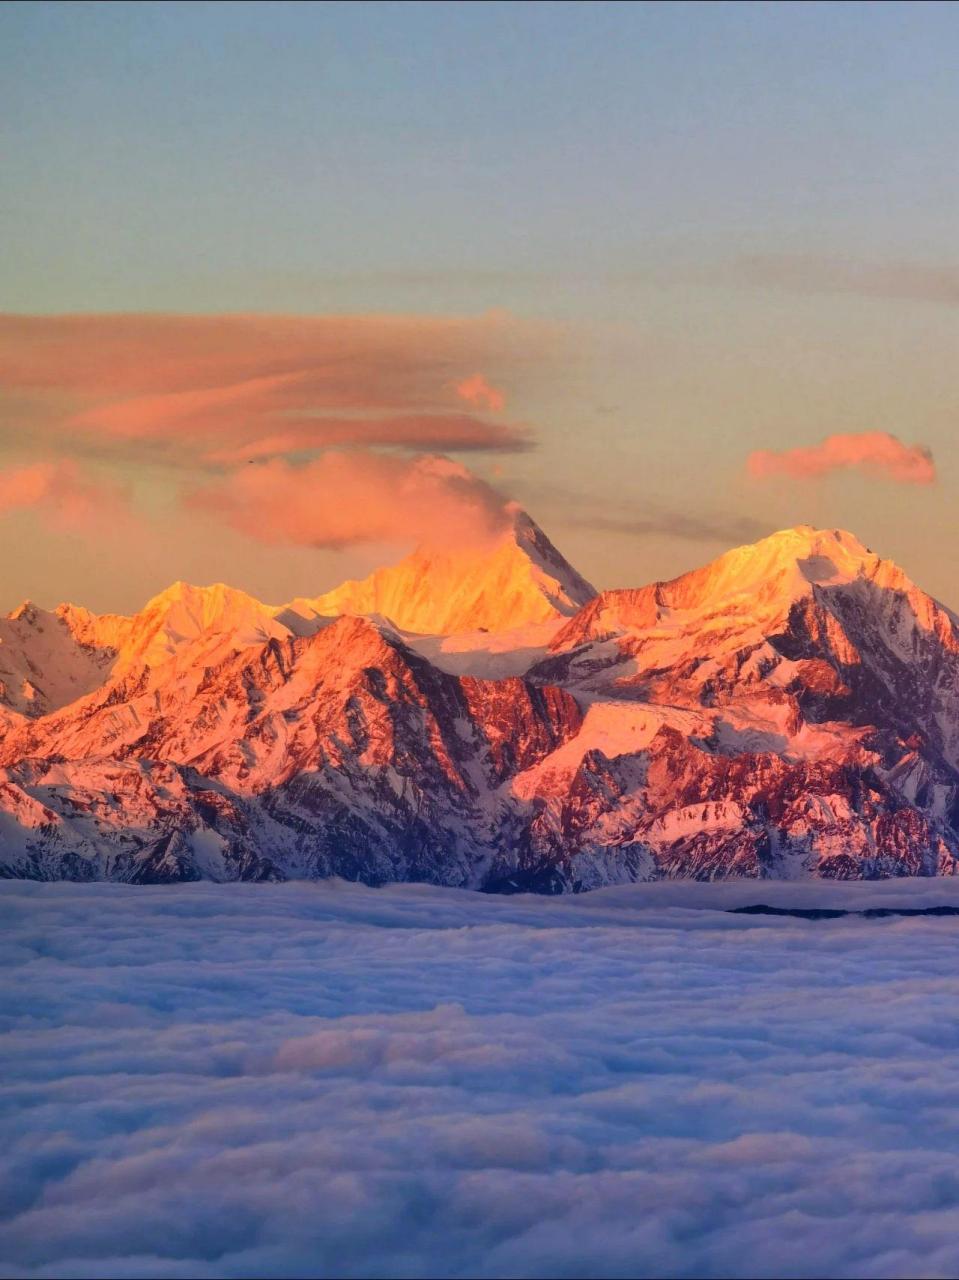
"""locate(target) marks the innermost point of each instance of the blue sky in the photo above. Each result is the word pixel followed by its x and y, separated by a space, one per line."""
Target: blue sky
pixel 209 153
pixel 603 169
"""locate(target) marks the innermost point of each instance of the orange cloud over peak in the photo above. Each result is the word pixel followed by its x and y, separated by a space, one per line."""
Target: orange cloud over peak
pixel 341 416
pixel 344 498
pixel 871 452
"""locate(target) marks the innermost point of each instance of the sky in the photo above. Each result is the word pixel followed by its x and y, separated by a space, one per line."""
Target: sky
pixel 671 276
pixel 309 1079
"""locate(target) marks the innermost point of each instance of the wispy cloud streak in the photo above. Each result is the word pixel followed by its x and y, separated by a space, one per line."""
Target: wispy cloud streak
pixel 809 273
pixel 215 385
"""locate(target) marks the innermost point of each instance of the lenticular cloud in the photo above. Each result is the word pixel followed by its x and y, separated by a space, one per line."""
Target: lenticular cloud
pixel 316 1079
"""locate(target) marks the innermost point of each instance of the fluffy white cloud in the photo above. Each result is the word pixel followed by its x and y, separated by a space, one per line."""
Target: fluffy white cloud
pixel 321 1079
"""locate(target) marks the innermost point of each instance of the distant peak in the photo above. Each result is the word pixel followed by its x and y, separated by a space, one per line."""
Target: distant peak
pixel 26 611
pixel 181 590
pixel 811 536
pixel 518 579
pixel 757 582
pixel 780 567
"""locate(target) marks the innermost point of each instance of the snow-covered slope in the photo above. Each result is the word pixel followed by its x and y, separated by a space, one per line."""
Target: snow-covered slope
pixel 44 664
pixel 198 625
pixel 520 580
pixel 805 610
pixel 790 710
pixel 796 703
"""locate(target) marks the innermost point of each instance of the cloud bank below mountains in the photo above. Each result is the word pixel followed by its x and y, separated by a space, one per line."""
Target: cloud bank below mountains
pixel 323 1079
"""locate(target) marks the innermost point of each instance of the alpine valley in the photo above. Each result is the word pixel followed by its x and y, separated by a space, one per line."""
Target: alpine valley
pixel 485 719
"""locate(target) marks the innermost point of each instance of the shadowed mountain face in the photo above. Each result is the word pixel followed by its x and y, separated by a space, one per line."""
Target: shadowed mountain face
pixel 484 719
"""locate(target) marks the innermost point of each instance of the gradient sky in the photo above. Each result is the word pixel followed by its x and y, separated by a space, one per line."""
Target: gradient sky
pixel 678 234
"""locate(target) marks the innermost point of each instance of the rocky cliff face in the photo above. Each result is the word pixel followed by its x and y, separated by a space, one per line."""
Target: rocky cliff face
pixel 790 710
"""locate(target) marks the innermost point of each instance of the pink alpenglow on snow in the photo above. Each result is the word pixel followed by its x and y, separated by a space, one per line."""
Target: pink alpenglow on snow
pixel 479 717
pixel 874 453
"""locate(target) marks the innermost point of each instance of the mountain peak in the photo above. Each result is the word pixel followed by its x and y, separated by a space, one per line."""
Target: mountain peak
pixel 751 586
pixel 217 618
pixel 215 594
pixel 809 540
pixel 518 580
pixel 784 564
pixel 26 611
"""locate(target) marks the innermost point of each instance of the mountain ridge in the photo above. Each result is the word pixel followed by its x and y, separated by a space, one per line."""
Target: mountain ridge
pixel 789 710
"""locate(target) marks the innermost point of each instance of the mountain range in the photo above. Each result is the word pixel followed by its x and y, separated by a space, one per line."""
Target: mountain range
pixel 482 717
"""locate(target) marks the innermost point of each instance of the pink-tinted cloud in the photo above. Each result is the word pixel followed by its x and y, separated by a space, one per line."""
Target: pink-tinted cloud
pixel 441 431
pixel 66 497
pixel 872 452
pixel 201 386
pixel 360 361
pixel 344 498
pixel 477 391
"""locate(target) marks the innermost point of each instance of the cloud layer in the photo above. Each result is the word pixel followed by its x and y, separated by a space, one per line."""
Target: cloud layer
pixel 322 1079
pixel 347 412
pixel 872 452
pixel 261 384
pixel 658 521
pixel 340 499
pixel 71 499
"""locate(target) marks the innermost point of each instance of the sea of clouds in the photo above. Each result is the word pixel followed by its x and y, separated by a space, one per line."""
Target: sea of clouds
pixel 324 1079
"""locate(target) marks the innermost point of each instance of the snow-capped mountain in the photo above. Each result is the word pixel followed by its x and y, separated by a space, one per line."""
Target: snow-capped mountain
pixel 518 580
pixel 483 718
pixel 43 664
